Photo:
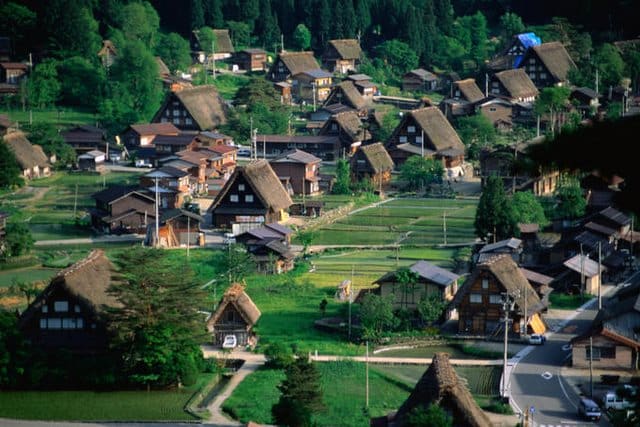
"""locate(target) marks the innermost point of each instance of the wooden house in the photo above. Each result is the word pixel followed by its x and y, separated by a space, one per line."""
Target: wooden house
pixel 431 279
pixel 85 138
pixel 479 300
pixel 547 64
pixel 464 96
pixel 420 80
pixel 222 46
pixel 323 114
pixel 122 209
pixel 236 315
pixel 143 134
pixel 346 93
pixel 302 169
pixel 363 83
pixel 498 111
pixel 177 228
pixel 13 72
pixel 312 86
pixel 70 313
pixel 288 64
pixel 440 386
pixel 253 194
pixel 252 59
pixel 342 56
pixel 372 162
pixel 31 158
pixel 211 139
pixel 198 109
pixel 426 132
pixel 269 245
pixel 577 267
pixel 512 247
pixel 171 144
pixel 171 178
pixel 513 85
pixel 585 99
pixel 107 53
pixel 512 55
pixel 348 127
pixel 613 336
pixel 325 147
pixel 91 161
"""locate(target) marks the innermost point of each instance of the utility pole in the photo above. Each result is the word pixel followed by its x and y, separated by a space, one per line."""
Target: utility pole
pixel 591 367
pixel 581 274
pixel 422 143
pixel 507 305
pixel 188 234
pixel 366 400
pixel 599 275
pixel 213 57
pixel 157 219
pixel 525 311
pixel 75 202
pixel 350 300
pixel 444 225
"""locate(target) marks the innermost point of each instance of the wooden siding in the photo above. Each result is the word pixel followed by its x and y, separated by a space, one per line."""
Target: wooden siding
pixel 624 356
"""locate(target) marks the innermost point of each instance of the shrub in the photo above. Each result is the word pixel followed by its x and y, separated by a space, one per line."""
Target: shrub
pixel 278 356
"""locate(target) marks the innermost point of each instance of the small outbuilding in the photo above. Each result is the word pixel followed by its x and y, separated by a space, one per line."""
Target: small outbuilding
pixel 236 315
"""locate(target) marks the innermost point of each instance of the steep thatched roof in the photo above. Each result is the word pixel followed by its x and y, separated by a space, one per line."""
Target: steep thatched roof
pixel 88 280
pixel 5 122
pixel 298 62
pixel 223 42
pixel 437 129
pixel 347 48
pixel 350 124
pixel 440 385
pixel 378 157
pixel 237 297
pixel 346 93
pixel 163 70
pixel 265 184
pixel 469 90
pixel 165 128
pixel 555 57
pixel 27 154
pixel 296 156
pixel 205 106
pixel 517 83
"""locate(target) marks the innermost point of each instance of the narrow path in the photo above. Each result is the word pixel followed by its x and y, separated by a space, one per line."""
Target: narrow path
pixel 87 240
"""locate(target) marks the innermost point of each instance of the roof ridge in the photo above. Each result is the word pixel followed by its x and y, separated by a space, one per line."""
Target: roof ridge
pixel 93 255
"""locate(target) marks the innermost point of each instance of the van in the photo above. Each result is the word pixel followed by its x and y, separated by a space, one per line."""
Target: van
pixel 588 409
pixel 228 238
pixel 613 400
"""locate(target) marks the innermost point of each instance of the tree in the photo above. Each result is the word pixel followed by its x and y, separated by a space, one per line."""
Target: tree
pixel 213 13
pixel 257 91
pixel 552 101
pixel 494 215
pixel 479 37
pixel 306 237
pixel 609 64
pixel 157 330
pixel 407 280
pixel 419 173
pixel 343 178
pixel 47 136
pixel 397 55
pixel 18 240
pixel 17 22
pixel 140 21
pixel 197 14
pixel 433 416
pixel 571 203
pixel 174 51
pixel 390 121
pixel 476 132
pixel 240 33
pixel 10 172
pixel 376 315
pixel 236 263
pixel 13 351
pixel 278 356
pixel 301 394
pixel 510 25
pixel 302 37
pixel 527 209
pixel 44 85
pixel 72 28
pixel 431 307
pixel 83 83
pixel 267 27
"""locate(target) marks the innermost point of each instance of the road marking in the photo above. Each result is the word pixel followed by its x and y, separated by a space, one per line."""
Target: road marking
pixel 547 375
pixel 565 392
pixel 566 347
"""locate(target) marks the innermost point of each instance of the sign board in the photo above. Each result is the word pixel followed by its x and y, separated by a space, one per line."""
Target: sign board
pixel 532 409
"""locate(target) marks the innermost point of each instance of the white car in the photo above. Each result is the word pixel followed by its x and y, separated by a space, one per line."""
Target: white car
pixel 536 339
pixel 230 341
pixel 244 152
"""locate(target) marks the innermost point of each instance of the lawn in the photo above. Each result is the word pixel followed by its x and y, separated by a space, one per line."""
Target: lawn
pixel 166 405
pixel 31 274
pixel 229 84
pixel 343 386
pixel 568 302
pixel 61 117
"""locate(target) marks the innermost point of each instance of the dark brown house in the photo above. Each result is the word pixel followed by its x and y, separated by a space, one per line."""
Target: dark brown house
pixel 372 162
pixel 70 312
pixel 269 245
pixel 513 85
pixel 253 194
pixel 143 134
pixel 302 169
pixel 324 147
pixel 171 144
pixel 12 72
pixel 350 130
pixel 342 56
pixel 479 300
pixel 122 209
pixel 440 138
pixel 363 83
pixel 236 315
pixel 252 59
pixel 198 109
pixel 547 64
pixel 464 96
pixel 498 111
pixel 420 80
pixel 346 93
pixel 288 64
pixel 85 138
pixel 440 386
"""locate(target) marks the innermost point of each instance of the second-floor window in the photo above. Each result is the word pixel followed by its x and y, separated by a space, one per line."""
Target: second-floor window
pixel 475 298
pixel 411 129
pixel 248 198
pixel 495 299
pixel 234 198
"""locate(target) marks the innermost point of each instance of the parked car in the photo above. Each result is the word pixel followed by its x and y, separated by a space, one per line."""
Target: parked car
pixel 244 152
pixel 536 339
pixel 588 409
pixel 230 341
pixel 143 164
pixel 613 400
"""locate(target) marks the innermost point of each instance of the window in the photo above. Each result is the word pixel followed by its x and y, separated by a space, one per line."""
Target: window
pixel 596 353
pixel 68 323
pixel 411 129
pixel 234 198
pixel 403 139
pixel 492 108
pixel 240 187
pixel 495 299
pixel 334 126
pixel 607 352
pixel 79 323
pixel 166 113
pixel 532 60
pixel 76 308
pixel 543 75
pixel 176 113
pixel 475 298
pixel 248 198
pixel 59 306
pixel 43 323
pixel 45 308
pixel 176 120
pixel 485 283
pixel 188 121
pixel 54 323
pixel 418 140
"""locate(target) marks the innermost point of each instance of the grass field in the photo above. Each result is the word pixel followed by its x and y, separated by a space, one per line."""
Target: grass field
pixel 229 84
pixel 406 221
pixel 29 275
pixel 343 386
pixel 167 405
pixel 568 302
pixel 61 117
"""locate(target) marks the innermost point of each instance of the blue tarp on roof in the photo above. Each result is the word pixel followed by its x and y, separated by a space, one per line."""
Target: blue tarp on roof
pixel 528 40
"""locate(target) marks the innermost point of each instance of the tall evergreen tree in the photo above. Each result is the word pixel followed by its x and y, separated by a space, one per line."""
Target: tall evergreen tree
pixel 197 14
pixel 301 394
pixel 249 12
pixel 71 27
pixel 443 11
pixel 140 21
pixel 479 36
pixel 10 173
pixel 324 23
pixel 349 20
pixel 213 16
pixel 267 28
pixel 494 216
pixel 363 16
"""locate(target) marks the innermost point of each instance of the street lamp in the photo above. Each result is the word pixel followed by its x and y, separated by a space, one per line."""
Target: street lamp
pixel 508 303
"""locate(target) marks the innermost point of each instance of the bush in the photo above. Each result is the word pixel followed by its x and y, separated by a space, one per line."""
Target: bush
pixel 499 408
pixel 278 356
